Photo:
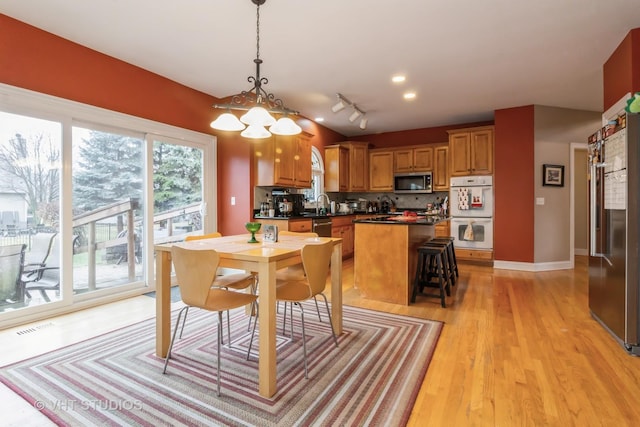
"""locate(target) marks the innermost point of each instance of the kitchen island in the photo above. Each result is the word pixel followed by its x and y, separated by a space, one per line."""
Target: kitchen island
pixel 385 255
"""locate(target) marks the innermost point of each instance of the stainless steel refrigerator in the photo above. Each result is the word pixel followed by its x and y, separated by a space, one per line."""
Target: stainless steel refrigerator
pixel 614 195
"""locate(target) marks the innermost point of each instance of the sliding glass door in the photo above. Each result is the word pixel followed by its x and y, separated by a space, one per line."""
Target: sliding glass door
pixel 85 194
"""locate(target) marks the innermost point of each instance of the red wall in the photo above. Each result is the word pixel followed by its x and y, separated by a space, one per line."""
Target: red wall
pixel 40 61
pixel 514 187
pixel 621 72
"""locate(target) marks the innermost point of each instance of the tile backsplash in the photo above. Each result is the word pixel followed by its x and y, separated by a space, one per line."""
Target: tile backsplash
pixel 402 201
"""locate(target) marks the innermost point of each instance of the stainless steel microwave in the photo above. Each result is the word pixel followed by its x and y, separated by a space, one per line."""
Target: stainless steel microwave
pixel 413 183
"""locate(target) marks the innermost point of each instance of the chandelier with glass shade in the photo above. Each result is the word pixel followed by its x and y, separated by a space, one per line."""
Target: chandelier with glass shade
pixel 258 104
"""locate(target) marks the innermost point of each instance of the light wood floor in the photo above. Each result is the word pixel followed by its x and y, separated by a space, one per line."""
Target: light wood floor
pixel 517 349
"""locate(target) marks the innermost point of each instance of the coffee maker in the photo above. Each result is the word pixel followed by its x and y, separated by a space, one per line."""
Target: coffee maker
pixel 287 204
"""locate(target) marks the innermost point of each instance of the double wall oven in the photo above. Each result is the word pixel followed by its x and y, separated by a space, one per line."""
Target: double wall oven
pixel 471 207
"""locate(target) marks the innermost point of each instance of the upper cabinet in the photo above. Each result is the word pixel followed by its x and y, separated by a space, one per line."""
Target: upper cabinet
pixel 284 160
pixel 441 167
pixel 418 159
pixel 380 170
pixel 471 151
pixel 346 166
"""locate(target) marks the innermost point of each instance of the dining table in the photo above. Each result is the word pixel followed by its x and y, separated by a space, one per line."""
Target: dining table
pixel 263 258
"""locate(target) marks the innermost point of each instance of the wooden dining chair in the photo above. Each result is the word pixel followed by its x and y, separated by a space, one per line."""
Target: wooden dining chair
pixel 234 281
pixel 196 271
pixel 316 258
pixel 295 272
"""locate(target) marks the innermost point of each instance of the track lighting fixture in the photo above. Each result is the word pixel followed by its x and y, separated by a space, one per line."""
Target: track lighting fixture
pixel 357 112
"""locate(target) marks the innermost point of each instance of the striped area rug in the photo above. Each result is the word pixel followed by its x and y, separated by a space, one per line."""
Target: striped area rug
pixel 372 378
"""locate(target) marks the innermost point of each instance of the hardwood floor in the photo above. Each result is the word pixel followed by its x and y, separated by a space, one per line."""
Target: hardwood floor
pixel 517 348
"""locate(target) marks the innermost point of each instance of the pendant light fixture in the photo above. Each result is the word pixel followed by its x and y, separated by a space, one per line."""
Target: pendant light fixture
pixel 258 105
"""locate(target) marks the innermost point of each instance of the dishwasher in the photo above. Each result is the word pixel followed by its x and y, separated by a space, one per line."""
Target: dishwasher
pixel 322 226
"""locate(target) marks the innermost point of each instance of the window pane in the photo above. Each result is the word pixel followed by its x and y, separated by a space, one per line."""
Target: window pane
pixel 177 191
pixel 29 210
pixel 107 209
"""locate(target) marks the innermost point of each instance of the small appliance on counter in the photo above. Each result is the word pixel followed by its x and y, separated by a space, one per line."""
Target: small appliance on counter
pixel 287 204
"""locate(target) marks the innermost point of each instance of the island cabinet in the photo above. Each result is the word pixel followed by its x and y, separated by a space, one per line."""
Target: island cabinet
pixel 413 159
pixel 442 229
pixel 441 175
pixel 343 227
pixel 284 160
pixel 385 259
pixel 346 166
pixel 380 170
pixel 471 151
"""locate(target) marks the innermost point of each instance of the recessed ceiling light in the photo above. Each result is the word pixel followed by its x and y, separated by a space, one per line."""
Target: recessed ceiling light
pixel 409 96
pixel 319 119
pixel 398 78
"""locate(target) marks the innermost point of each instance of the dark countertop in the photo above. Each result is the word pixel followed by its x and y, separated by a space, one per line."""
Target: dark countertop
pixel 427 220
pixel 309 215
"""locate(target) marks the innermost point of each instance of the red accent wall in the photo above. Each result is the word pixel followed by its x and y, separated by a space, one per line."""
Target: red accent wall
pixel 514 229
pixel 621 72
pixel 34 59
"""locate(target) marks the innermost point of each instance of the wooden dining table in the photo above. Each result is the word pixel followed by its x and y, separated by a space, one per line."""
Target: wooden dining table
pixel 264 258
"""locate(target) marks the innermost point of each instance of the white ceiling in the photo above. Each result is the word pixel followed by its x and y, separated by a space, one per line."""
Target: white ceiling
pixel 463 58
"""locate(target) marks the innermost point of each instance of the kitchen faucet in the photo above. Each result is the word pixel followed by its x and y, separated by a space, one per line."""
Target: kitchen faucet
pixel 318 200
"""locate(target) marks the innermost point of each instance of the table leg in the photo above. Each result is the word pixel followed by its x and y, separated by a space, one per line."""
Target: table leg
pixel 163 302
pixel 267 371
pixel 336 288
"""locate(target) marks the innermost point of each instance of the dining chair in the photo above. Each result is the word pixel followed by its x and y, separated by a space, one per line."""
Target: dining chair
pixel 235 281
pixel 11 265
pixel 196 271
pixel 295 272
pixel 316 258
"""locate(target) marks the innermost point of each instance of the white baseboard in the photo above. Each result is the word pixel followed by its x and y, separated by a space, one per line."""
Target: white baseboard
pixel 530 266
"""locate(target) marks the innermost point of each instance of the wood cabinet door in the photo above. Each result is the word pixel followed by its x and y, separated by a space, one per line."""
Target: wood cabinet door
pixel 441 168
pixel 423 159
pixel 481 152
pixel 358 165
pixel 336 168
pixel 284 169
pixel 380 171
pixel 459 146
pixel 402 161
pixel 303 162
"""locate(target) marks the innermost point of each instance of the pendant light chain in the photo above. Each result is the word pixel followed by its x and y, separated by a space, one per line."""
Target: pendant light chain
pixel 258 31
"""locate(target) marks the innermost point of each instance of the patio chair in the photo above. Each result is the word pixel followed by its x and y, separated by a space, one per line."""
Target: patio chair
pixel 36 257
pixel 46 277
pixel 11 284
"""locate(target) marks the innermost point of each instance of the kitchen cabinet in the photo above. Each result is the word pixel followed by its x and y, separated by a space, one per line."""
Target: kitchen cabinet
pixel 442 229
pixel 476 255
pixel 471 151
pixel 346 166
pixel 301 225
pixel 417 159
pixel 380 170
pixel 283 160
pixel 343 227
pixel 336 168
pixel 441 168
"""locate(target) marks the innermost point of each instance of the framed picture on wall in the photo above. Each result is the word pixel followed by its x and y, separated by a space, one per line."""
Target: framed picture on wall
pixel 553 175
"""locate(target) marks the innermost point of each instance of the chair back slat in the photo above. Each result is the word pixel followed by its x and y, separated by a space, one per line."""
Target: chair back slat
pixel 316 258
pixel 195 272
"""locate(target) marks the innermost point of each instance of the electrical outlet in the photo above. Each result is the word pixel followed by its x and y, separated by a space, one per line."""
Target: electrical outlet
pixel 540 201
pixel 233 201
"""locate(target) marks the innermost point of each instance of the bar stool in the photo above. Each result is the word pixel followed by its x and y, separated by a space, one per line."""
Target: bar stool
pixel 451 254
pixel 431 259
pixel 447 262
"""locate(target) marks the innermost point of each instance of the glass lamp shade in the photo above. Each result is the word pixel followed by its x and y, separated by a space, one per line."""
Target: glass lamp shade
pixel 285 126
pixel 255 132
pixel 258 116
pixel 228 122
